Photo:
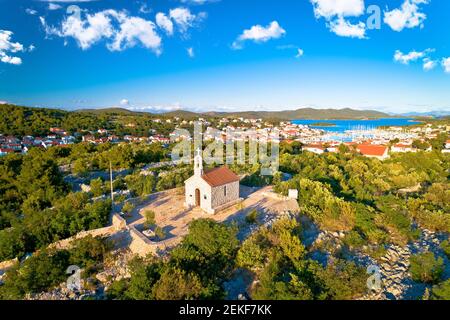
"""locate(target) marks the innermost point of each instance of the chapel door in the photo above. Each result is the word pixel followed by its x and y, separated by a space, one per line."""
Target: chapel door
pixel 197 198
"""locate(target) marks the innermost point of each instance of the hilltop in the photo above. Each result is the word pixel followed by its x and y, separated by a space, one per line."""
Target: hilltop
pixel 302 113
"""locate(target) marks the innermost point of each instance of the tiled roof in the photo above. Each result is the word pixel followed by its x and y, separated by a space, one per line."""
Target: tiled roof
pixel 220 176
pixel 372 150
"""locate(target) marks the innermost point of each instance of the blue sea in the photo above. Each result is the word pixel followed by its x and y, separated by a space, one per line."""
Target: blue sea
pixel 341 126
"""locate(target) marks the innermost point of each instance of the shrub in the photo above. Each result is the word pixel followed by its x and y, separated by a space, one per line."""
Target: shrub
pixel 441 291
pixel 354 240
pixel 425 267
pixel 128 207
pixel 252 217
pixel 445 245
pixel 150 220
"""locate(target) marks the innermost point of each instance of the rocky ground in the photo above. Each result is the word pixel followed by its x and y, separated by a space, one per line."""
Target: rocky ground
pixel 114 268
pixel 396 282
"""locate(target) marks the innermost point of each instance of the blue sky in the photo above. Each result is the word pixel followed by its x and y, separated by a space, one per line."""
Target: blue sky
pixel 226 54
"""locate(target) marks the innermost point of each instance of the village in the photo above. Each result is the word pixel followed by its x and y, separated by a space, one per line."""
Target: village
pixel 378 143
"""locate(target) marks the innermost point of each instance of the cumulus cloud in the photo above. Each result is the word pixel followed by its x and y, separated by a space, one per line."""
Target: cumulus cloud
pixel 164 23
pixel 259 34
pixel 340 8
pixel 337 12
pixel 183 18
pixel 8 48
pixel 407 16
pixel 343 28
pixel 54 6
pixel 429 64
pixel 446 64
pixel 120 30
pixel 411 56
pixel 124 102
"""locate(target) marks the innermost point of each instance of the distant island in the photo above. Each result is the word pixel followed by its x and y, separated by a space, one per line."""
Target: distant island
pixel 286 115
pixel 323 124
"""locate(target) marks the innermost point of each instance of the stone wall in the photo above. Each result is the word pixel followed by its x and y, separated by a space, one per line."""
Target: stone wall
pixel 220 198
pixel 140 244
pixel 118 222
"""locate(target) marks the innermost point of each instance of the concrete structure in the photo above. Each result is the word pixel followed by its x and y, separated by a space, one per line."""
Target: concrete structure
pixel 213 190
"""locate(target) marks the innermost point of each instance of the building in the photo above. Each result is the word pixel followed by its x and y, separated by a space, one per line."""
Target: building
pixel 212 190
pixel 402 148
pixel 314 148
pixel 374 151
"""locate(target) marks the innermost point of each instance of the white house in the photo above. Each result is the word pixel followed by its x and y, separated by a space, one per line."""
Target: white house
pixel 402 148
pixel 314 148
pixel 213 190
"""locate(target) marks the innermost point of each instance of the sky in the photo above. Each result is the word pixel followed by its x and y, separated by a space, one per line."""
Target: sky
pixel 226 55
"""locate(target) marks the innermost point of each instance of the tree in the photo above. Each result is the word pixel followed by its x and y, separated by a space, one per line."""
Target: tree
pixel 150 220
pixel 441 291
pixel 176 284
pixel 97 187
pixel 128 207
pixel 425 267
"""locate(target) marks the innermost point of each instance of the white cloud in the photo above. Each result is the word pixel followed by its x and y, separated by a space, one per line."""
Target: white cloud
pixel 343 28
pixel 339 8
pixel 182 17
pixel 7 47
pixel 260 34
pixel 54 6
pixel 133 31
pixel 411 56
pixel 164 23
pixel 144 8
pixel 31 12
pixel 120 30
pixel 158 108
pixel 198 1
pixel 335 13
pixel 300 53
pixel 124 102
pixel 408 16
pixel 190 52
pixel 68 1
pixel 429 64
pixel 446 64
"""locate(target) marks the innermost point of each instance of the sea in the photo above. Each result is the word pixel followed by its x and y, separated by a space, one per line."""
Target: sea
pixel 345 130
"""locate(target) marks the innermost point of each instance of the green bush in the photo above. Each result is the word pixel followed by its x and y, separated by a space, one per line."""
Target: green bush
pixel 445 245
pixel 441 291
pixel 425 267
pixel 252 217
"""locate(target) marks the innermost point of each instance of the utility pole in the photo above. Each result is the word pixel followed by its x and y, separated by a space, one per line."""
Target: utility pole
pixel 111 180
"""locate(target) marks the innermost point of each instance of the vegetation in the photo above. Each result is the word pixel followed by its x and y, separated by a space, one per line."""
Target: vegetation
pixel 441 291
pixel 425 267
pixel 47 268
pixel 195 270
pixel 150 219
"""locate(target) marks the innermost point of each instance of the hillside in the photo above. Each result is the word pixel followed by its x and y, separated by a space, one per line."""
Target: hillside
pixel 310 114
